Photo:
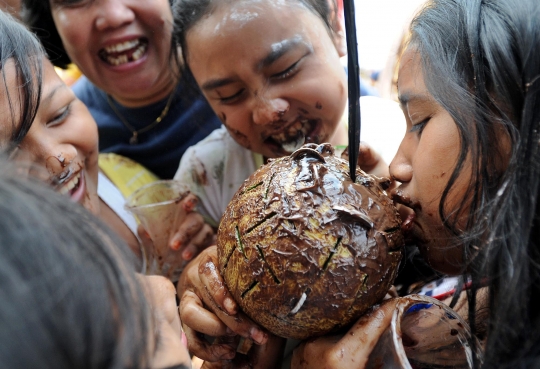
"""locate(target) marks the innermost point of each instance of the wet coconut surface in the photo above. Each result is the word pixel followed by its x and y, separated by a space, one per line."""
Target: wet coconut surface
pixel 303 249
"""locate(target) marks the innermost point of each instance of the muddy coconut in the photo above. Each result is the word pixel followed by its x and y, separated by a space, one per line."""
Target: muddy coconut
pixel 304 250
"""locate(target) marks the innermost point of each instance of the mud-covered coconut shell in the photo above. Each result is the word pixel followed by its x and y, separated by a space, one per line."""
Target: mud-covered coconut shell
pixel 303 249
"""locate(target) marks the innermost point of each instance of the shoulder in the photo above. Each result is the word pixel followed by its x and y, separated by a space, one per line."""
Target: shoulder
pixel 212 157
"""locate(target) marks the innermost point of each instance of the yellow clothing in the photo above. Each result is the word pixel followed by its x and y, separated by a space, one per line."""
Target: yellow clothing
pixel 126 174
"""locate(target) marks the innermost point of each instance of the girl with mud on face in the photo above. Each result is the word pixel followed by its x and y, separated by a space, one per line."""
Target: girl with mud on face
pixel 469 180
pixel 272 72
pixel 46 126
pixel 468 163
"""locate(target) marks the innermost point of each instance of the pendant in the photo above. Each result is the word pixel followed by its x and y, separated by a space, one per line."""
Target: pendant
pixel 133 140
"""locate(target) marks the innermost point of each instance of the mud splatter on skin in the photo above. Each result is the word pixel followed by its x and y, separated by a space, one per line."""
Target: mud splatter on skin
pixel 318 106
pixel 303 111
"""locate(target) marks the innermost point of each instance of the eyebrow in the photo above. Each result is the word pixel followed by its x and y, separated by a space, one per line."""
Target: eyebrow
pixel 278 51
pixel 47 98
pixel 406 98
pixel 215 83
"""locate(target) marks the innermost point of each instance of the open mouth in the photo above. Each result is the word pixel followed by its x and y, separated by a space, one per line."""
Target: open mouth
pixel 124 52
pixel 72 185
pixel 294 136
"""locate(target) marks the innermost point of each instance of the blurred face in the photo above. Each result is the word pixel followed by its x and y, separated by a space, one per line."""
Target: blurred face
pixel 423 164
pixel 62 139
pixel 271 72
pixel 122 46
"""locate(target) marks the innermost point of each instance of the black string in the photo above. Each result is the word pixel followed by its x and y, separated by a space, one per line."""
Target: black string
pixel 353 67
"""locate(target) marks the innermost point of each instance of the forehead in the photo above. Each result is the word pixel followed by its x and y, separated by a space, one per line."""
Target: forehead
pixel 254 19
pixel 410 74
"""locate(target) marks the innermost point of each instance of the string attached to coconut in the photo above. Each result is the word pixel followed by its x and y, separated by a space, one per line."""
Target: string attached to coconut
pixel 353 66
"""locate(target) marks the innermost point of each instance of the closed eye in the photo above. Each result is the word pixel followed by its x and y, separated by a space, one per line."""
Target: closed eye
pixel 232 98
pixel 287 72
pixel 60 117
pixel 419 127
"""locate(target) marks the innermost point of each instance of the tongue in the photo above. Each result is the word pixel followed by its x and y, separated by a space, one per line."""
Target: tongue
pixel 294 144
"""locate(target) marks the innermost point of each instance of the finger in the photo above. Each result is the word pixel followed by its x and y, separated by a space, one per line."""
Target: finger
pixel 189 203
pixel 367 156
pixel 186 230
pixel 216 289
pixel 205 350
pixel 194 315
pixel 199 242
pixel 222 304
pixel 359 342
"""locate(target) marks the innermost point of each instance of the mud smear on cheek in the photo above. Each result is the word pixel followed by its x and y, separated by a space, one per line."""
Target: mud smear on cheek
pixel 318 106
pixel 223 118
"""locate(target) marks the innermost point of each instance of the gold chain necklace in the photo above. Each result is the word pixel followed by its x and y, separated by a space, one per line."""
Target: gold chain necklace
pixel 135 133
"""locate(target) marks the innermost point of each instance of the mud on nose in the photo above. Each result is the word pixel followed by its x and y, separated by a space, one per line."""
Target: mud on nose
pixel 270 111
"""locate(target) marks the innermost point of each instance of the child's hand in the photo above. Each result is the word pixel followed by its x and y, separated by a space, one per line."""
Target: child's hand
pixel 207 308
pixel 192 235
pixel 351 350
pixel 370 161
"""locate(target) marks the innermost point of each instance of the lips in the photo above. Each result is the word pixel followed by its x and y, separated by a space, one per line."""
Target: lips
pixel 73 185
pixel 295 135
pixel 124 52
pixel 407 210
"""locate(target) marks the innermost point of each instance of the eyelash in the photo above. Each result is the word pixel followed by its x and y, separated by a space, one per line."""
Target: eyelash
pixel 287 72
pixel 229 99
pixel 419 127
pixel 281 75
pixel 60 118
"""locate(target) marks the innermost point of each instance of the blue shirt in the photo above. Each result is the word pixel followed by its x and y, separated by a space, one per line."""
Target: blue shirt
pixel 189 120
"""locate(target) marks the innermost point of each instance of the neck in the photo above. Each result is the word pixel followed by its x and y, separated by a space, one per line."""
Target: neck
pixel 141 101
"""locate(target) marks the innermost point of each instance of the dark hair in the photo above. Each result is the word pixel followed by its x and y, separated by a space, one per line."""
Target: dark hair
pixel 69 296
pixel 37 14
pixel 24 50
pixel 186 13
pixel 481 62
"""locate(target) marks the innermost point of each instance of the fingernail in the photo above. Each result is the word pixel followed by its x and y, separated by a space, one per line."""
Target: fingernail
pixel 230 306
pixel 187 255
pixel 176 244
pixel 257 335
pixel 189 205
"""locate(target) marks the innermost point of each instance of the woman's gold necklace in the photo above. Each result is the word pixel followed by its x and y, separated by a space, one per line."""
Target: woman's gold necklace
pixel 135 133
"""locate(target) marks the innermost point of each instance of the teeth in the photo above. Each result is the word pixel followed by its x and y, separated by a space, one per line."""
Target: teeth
pixel 124 58
pixel 293 137
pixel 295 144
pixel 118 48
pixel 70 185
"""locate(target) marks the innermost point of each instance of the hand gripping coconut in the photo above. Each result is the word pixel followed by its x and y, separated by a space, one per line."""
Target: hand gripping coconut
pixel 304 250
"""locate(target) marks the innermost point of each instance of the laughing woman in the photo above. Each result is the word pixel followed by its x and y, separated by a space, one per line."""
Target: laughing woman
pixel 44 123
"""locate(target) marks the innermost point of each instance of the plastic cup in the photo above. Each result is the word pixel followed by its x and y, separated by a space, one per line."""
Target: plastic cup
pixel 156 206
pixel 424 333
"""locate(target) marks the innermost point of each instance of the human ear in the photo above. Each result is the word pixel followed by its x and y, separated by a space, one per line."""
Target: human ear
pixel 338 27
